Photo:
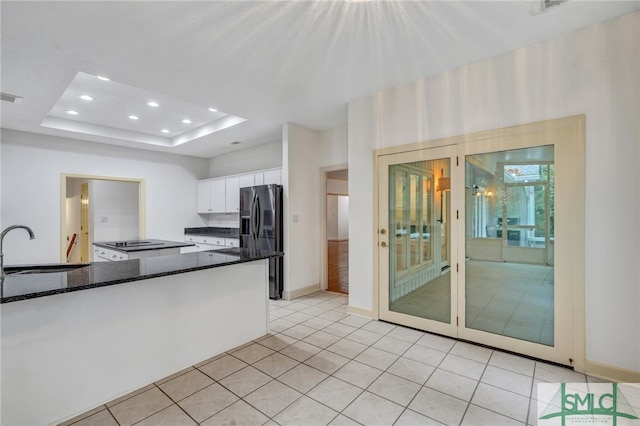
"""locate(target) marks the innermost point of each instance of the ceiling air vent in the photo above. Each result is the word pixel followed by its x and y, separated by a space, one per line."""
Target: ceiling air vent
pixel 550 3
pixel 7 97
pixel 541 6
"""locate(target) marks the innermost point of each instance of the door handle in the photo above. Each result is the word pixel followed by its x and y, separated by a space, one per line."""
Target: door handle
pixel 383 244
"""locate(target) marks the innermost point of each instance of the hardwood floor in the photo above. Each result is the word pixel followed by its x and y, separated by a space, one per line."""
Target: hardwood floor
pixel 338 266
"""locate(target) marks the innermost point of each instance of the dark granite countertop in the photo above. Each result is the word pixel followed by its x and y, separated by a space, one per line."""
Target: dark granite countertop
pixel 129 246
pixel 31 285
pixel 213 232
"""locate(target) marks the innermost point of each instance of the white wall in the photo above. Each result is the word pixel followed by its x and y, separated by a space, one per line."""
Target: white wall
pixel 31 168
pixel 114 210
pixel 337 209
pixel 594 72
pixel 337 215
pixel 343 217
pixel 339 187
pixel 261 157
pixel 305 153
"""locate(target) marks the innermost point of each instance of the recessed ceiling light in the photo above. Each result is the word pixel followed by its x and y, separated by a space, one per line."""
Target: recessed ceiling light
pixel 152 104
pixel 186 121
pixel 86 98
pixel 133 117
pixel 103 78
pixel 165 131
pixel 236 142
pixel 213 110
pixel 71 112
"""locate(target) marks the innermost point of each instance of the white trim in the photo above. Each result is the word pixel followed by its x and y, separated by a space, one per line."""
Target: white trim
pixel 367 313
pixel 324 261
pixel 611 372
pixel 299 292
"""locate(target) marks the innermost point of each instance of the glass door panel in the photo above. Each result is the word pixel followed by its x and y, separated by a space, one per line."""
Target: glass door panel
pixel 416 213
pixel 509 273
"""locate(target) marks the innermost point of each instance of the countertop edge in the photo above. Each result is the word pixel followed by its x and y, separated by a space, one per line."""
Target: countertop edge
pixel 36 295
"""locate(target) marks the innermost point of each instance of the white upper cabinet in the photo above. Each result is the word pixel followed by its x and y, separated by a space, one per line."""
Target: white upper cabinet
pixel 218 195
pixel 272 177
pixel 247 180
pixel 258 178
pixel 203 194
pixel 211 196
pixel 232 199
pixel 222 195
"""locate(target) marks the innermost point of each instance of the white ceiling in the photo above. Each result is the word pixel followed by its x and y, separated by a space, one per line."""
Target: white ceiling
pixel 269 62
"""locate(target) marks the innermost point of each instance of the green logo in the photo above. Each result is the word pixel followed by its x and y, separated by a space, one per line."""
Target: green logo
pixel 598 404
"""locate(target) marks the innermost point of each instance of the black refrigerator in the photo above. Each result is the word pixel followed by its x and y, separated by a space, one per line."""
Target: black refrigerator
pixel 261 228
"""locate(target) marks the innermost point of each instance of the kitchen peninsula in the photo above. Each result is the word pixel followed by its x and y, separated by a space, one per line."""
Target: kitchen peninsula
pixel 75 339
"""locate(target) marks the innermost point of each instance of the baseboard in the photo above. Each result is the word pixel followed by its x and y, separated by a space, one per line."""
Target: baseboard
pixel 360 311
pixel 299 292
pixel 612 373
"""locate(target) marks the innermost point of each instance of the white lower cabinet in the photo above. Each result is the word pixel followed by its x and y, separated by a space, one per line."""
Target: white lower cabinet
pixel 153 253
pixel 101 254
pixel 115 256
pixel 200 247
pixel 204 243
pixel 231 242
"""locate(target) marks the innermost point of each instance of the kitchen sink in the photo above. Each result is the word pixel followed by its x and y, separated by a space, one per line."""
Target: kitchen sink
pixel 43 269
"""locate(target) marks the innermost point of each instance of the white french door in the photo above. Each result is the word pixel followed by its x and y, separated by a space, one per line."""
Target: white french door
pixel 482 241
pixel 415 237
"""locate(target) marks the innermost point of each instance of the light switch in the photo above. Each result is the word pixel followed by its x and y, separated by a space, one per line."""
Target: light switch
pixel 104 219
pixel 295 218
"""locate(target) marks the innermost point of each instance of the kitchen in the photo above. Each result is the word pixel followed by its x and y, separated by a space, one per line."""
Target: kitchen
pixel 32 164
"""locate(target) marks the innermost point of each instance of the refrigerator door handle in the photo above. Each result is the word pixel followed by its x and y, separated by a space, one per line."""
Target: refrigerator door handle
pixel 258 218
pixel 254 217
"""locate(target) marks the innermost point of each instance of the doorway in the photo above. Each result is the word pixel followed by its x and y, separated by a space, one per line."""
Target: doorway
pixel 96 208
pixel 337 230
pixel 467 238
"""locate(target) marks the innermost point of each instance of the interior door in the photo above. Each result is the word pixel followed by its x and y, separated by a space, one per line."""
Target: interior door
pixel 417 286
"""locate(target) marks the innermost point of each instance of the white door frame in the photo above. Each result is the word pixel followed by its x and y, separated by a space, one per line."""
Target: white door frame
pixel 323 224
pixel 142 212
pixel 568 136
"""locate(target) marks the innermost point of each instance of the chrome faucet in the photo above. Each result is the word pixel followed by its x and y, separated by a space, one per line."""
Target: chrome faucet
pixel 31 237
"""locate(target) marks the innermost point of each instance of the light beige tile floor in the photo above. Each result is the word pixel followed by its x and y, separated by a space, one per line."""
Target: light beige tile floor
pixel 322 366
pixel 510 299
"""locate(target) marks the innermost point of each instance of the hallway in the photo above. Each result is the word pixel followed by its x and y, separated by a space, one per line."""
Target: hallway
pixel 338 266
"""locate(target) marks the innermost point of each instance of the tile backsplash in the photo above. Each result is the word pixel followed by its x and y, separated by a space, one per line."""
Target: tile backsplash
pixel 222 220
